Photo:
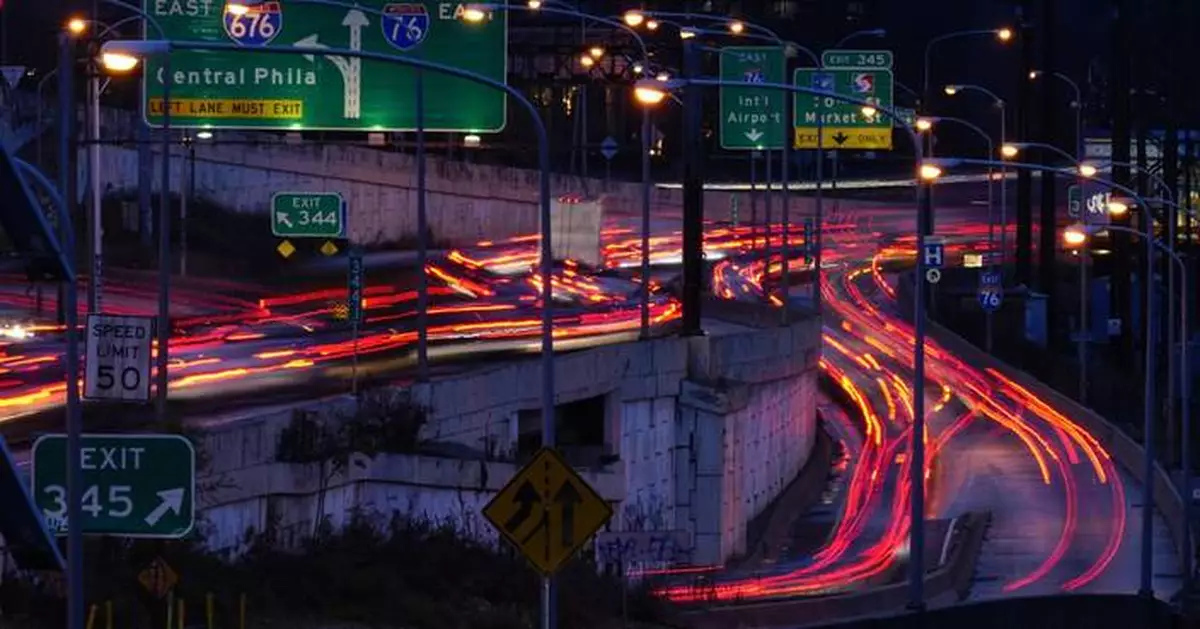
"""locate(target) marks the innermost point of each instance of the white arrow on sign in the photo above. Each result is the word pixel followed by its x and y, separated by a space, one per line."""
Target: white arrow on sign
pixel 350 69
pixel 753 135
pixel 282 218
pixel 169 500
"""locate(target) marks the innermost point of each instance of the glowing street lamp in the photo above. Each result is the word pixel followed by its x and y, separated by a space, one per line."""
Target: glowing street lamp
pixel 534 4
pixel 474 14
pixel 118 62
pixel 869 112
pixel 930 172
pixel 648 94
pixel 76 26
pixel 236 8
pixel 1118 207
pixel 924 124
pixel 634 19
pixel 737 27
pixel 596 52
pixel 587 61
pixel 1087 170
pixel 1004 34
pixel 1009 151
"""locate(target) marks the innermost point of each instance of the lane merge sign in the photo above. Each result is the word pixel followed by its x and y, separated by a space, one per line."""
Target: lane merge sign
pixel 134 485
pixel 118 358
pixel 308 215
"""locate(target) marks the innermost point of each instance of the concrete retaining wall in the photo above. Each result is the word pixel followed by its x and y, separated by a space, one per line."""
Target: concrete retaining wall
pixel 466 202
pixel 700 434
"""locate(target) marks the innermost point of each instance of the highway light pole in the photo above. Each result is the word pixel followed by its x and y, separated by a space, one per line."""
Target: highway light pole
pixel 627 25
pixel 1002 106
pixel 1147 540
pixel 926 125
pixel 142 48
pixel 67 179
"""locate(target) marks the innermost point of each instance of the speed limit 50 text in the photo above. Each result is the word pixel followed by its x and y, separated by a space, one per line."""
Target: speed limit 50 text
pixel 118 357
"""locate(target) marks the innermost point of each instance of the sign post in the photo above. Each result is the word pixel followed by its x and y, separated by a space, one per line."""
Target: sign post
pixel 547 511
pixel 354 305
pixel 308 215
pixel 133 485
pixel 843 125
pixel 752 119
pixel 236 89
pixel 118 358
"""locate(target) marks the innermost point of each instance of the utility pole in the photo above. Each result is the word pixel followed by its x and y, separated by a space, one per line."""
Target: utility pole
pixel 1048 227
pixel 1024 243
pixel 1121 299
pixel 1170 157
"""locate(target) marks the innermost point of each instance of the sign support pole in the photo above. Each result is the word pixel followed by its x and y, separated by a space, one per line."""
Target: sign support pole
pixel 74 472
pixel 164 248
pixel 422 244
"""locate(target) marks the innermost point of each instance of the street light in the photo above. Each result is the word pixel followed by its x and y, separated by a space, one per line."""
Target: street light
pixel 1002 107
pixel 596 52
pixel 1004 35
pixel 1074 236
pixel 534 4
pixel 650 95
pixel 736 27
pixel 1117 207
pixel 930 172
pixel 1151 362
pixel 924 124
pixel 474 14
pixel 77 26
pixel 586 61
pixel 117 62
pixel 1087 170
pixel 869 111
pixel 634 19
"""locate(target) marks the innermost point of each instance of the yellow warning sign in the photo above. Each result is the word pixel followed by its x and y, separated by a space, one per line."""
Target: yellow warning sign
pixel 547 511
pixel 250 108
pixel 158 578
pixel 853 138
pixel 329 248
pixel 286 249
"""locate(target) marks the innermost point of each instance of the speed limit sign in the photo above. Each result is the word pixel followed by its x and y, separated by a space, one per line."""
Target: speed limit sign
pixel 118 358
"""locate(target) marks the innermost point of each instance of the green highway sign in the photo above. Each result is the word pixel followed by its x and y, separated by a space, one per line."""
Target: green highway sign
pixel 134 485
pixel 858 59
pixel 308 215
pixel 844 125
pixel 261 90
pixel 753 118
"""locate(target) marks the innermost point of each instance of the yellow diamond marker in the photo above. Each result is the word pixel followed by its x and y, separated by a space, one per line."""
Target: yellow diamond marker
pixel 286 248
pixel 329 248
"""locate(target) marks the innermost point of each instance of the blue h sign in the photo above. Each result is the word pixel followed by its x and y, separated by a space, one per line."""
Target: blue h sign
pixel 934 255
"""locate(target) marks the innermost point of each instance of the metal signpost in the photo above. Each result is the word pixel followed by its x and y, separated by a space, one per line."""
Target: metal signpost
pixel 991 291
pixel 752 118
pixel 934 255
pixel 547 511
pixel 354 305
pixel 333 92
pixel 843 125
pixel 118 358
pixel 133 485
pixel 308 215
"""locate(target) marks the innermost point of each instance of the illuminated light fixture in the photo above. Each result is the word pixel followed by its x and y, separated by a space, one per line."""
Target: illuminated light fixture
pixel 1009 151
pixel 924 124
pixel 737 27
pixel 1087 170
pixel 596 52
pixel 534 4
pixel 638 69
pixel 930 172
pixel 587 61
pixel 634 18
pixel 869 111
pixel 236 8
pixel 950 90
pixel 652 25
pixel 204 135
pixel 1033 74
pixel 76 25
pixel 474 14
pixel 686 33
pixel 649 94
pixel 1074 236
pixel 1004 34
pixel 663 77
pixel 471 140
pixel 1118 208
pixel 118 61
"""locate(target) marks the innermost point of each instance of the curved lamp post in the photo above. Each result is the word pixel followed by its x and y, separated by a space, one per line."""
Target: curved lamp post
pixel 1003 34
pixel 954 90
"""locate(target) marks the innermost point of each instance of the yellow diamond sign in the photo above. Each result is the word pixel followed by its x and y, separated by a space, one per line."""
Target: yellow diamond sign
pixel 286 248
pixel 547 511
pixel 329 248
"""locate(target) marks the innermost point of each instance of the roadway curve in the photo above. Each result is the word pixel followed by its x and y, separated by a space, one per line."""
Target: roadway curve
pixel 1065 518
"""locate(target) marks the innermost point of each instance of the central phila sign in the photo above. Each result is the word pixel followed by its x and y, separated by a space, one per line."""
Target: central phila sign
pixel 118 358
